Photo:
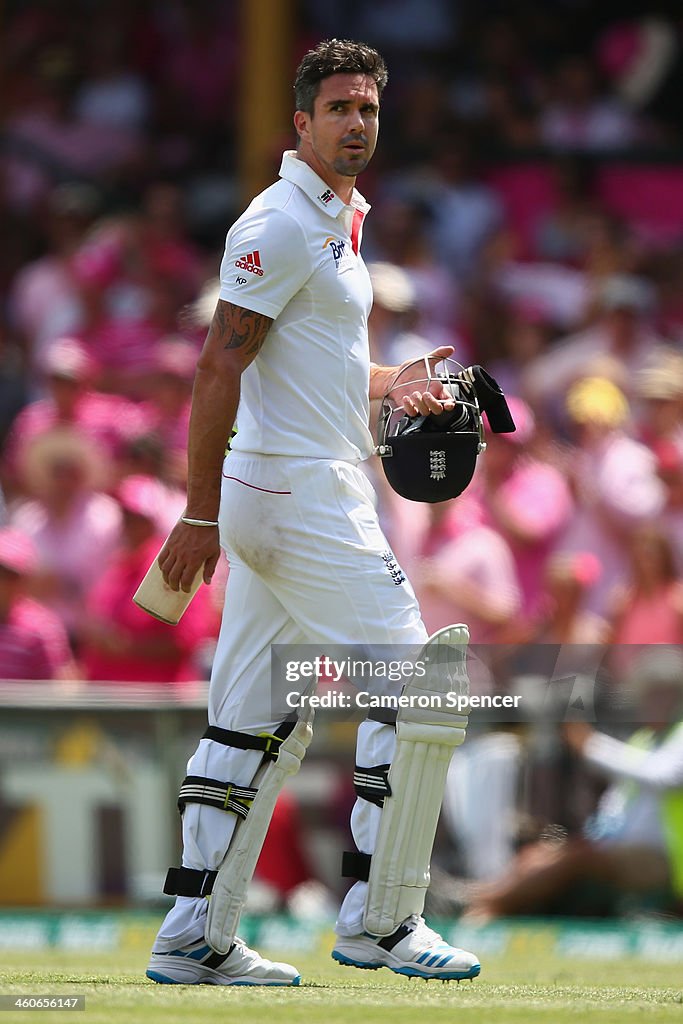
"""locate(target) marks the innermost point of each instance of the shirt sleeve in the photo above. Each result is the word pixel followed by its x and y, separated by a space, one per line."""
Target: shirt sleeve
pixel 658 769
pixel 266 262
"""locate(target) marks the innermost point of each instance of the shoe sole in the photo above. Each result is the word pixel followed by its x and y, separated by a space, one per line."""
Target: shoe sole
pixel 406 969
pixel 164 979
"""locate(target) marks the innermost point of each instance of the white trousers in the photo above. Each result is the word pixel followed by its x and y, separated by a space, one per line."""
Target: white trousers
pixel 305 550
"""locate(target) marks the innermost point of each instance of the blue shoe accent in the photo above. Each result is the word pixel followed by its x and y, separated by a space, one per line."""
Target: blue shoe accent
pixel 346 961
pixel 161 979
pixel 193 954
pixel 271 984
pixel 411 972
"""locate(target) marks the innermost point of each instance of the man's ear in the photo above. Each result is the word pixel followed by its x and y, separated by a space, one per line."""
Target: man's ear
pixel 301 123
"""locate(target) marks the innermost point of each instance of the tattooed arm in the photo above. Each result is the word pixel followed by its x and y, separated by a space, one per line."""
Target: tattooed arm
pixel 234 340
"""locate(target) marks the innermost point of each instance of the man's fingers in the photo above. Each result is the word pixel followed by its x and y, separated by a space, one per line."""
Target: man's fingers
pixel 434 405
pixel 210 567
pixel 409 406
pixel 164 557
pixel 187 578
pixel 443 352
pixel 422 403
pixel 173 573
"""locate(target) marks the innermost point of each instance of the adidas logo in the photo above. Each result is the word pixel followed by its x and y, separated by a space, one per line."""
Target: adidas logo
pixel 251 263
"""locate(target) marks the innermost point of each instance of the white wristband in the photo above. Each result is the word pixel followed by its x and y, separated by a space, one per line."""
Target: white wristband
pixel 198 522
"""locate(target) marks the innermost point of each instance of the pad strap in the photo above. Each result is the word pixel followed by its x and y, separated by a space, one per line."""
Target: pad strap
pixel 355 865
pixel 387 716
pixel 372 784
pixel 188 882
pixel 226 796
pixel 268 743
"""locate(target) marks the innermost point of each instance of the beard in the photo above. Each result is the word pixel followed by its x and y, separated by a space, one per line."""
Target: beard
pixel 350 166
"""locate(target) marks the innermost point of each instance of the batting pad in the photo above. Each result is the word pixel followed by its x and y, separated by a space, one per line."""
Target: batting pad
pixel 425 740
pixel 238 865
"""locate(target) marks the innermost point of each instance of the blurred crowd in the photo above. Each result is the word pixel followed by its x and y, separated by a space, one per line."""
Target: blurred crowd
pixel 528 209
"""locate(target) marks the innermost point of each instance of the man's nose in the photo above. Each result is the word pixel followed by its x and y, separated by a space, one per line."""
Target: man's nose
pixel 355 123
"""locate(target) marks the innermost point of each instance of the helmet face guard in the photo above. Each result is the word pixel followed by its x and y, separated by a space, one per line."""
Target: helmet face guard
pixel 433 458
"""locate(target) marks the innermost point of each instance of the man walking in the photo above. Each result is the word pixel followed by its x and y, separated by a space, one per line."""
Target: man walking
pixel 309 563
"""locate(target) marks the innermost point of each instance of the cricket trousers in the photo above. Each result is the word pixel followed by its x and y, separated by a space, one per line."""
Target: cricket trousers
pixel 308 565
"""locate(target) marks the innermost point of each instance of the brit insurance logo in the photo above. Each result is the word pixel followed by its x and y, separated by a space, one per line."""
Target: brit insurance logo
pixel 337 248
pixel 251 263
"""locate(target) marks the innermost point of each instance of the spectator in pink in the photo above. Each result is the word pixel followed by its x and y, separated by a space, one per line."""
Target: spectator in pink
pixel 122 297
pixel 119 641
pixel 107 420
pixel 563 617
pixel 45 123
pixel 615 481
pixel 616 345
pixel 526 499
pixel 670 472
pixel 580 115
pixel 465 572
pixel 659 387
pixel 33 642
pixel 73 525
pixel 45 299
pixel 167 409
pixel 649 608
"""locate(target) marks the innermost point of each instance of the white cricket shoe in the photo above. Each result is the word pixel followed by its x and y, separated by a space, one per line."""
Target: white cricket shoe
pixel 199 964
pixel 413 949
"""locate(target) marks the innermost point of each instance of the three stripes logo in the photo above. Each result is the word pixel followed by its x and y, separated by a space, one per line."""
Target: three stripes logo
pixel 251 263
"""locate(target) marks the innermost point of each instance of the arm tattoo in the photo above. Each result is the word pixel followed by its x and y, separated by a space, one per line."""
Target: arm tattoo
pixel 240 328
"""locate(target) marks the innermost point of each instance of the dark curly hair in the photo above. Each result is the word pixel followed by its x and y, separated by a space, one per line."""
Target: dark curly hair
pixel 335 57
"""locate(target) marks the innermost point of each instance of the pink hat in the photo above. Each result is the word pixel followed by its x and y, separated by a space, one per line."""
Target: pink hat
pixel 17 552
pixel 68 358
pixel 143 496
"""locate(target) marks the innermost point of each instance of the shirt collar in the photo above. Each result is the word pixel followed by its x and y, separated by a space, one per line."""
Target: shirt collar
pixel 299 173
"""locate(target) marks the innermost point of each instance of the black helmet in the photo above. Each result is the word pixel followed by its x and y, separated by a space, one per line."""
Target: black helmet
pixel 432 458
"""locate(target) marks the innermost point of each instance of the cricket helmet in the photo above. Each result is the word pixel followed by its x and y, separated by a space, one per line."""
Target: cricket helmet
pixel 433 458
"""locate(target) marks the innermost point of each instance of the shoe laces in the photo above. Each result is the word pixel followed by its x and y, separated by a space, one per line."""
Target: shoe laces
pixel 423 932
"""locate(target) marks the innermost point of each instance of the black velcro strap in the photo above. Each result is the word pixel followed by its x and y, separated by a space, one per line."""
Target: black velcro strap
pixel 356 865
pixel 372 783
pixel 389 941
pixel 188 882
pixel 268 743
pixel 226 796
pixel 215 960
pixel 387 716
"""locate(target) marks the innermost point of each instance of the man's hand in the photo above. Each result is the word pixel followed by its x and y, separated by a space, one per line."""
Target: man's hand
pixel 415 401
pixel 187 549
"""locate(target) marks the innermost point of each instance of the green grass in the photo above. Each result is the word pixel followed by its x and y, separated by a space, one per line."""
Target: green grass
pixel 526 988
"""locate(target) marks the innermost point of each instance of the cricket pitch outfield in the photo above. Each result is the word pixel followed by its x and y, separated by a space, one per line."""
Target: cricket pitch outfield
pixel 511 990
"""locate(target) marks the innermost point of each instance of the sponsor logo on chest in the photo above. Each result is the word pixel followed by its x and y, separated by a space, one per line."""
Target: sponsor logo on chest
pixel 338 248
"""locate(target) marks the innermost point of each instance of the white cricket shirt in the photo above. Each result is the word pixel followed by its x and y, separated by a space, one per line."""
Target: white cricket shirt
pixel 294 255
